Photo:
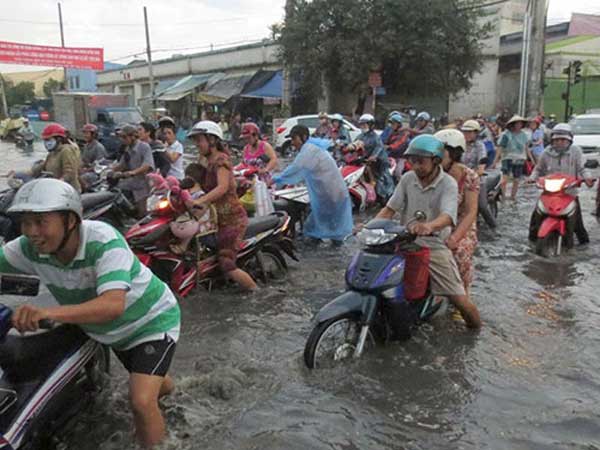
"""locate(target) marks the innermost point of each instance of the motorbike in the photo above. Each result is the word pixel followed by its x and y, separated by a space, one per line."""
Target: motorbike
pixel 47 379
pixel 356 174
pixel 557 206
pixel 110 206
pixel 24 139
pixel 262 252
pixel 295 202
pixel 388 295
pixel 490 196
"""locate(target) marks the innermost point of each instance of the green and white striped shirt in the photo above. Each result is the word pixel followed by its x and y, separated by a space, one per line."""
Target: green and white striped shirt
pixel 103 262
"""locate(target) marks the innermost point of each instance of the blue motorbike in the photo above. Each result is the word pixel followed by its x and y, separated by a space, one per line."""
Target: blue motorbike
pixel 388 295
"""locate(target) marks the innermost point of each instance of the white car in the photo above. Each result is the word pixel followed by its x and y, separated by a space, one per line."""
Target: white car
pixel 586 132
pixel 312 122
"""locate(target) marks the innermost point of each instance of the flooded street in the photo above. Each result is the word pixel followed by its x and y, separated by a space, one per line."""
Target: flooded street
pixel 529 380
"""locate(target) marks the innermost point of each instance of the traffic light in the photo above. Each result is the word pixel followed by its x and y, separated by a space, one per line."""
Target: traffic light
pixel 577 71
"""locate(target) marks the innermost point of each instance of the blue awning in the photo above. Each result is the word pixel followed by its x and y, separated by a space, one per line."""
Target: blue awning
pixel 271 89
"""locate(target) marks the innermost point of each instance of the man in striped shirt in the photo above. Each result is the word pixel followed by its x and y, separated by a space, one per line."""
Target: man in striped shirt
pixel 100 286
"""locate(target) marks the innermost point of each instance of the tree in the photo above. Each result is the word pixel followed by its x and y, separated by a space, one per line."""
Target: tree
pixel 20 93
pixel 51 85
pixel 432 47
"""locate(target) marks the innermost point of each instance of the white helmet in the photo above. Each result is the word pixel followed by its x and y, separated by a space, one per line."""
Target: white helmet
pixel 452 138
pixel 423 115
pixel 562 131
pixel 366 118
pixel 47 195
pixel 471 125
pixel 206 127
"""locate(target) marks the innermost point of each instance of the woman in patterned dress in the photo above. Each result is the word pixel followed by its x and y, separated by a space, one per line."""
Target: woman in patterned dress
pixel 219 184
pixel 463 239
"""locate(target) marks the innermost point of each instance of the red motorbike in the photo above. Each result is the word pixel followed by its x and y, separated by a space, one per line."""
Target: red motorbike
pixel 557 208
pixel 168 221
pixel 358 178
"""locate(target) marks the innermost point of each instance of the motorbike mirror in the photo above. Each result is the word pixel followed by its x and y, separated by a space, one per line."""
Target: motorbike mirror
pixel 420 216
pixel 19 285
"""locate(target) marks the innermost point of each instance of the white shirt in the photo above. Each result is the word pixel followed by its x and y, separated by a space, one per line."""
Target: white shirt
pixel 176 169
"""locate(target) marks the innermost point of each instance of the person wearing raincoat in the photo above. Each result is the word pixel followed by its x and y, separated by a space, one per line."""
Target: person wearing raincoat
pixel 331 208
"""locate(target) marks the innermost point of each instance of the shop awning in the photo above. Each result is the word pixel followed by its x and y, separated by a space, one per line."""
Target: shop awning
pixel 272 87
pixel 226 87
pixel 184 87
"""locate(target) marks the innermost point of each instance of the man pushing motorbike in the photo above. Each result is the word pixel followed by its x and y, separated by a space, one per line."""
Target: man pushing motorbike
pixel 429 189
pixel 100 286
pixel 561 156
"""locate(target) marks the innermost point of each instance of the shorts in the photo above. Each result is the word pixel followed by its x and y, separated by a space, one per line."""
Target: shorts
pixel 513 168
pixel 445 277
pixel 149 358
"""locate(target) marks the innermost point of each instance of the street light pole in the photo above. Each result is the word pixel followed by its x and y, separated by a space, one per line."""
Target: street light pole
pixel 62 43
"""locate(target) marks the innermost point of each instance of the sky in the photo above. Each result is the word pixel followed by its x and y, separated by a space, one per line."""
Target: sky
pixel 177 26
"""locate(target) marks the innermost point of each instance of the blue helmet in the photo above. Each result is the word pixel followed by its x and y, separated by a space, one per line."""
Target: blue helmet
pixel 396 117
pixel 426 145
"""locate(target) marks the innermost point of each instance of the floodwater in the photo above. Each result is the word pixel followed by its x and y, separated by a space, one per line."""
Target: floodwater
pixel 529 380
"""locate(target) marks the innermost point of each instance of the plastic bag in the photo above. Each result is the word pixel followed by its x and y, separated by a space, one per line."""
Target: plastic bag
pixel 262 199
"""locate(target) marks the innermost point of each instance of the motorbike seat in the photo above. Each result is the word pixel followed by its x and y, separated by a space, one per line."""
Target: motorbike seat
pixel 257 225
pixel 28 358
pixel 92 199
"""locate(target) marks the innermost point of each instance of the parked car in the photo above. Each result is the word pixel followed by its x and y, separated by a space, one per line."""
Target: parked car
pixel 312 122
pixel 586 131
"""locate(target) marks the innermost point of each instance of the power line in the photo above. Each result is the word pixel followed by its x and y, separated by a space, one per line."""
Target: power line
pixel 483 5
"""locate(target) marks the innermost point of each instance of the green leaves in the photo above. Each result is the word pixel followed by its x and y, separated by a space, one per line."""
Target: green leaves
pixel 427 47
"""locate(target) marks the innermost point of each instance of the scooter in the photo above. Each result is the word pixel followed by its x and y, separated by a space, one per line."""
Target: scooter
pixel 491 185
pixel 388 294
pixel 262 251
pixel 558 207
pixel 46 379
pixel 111 206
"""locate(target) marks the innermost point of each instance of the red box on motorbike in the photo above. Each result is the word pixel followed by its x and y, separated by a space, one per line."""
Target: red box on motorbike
pixel 416 273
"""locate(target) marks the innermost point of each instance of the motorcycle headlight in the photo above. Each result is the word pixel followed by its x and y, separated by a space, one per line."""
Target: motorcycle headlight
pixel 156 203
pixel 375 237
pixel 554 185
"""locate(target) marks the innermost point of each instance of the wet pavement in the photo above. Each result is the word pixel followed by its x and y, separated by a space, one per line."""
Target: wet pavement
pixel 529 380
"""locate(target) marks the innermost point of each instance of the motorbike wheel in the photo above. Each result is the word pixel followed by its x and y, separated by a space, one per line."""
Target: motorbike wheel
pixel 273 264
pixel 493 206
pixel 334 341
pixel 488 214
pixel 98 369
pixel 547 245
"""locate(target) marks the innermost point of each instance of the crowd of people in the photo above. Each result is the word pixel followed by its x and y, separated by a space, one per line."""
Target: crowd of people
pixel 122 304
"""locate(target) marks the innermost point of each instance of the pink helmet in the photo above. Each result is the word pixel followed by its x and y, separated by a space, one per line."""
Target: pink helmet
pixel 184 230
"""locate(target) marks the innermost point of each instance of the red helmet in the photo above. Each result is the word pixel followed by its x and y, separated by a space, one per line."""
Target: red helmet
pixel 91 128
pixel 54 130
pixel 250 128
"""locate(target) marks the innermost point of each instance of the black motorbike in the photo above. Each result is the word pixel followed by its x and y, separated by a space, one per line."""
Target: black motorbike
pixel 387 295
pixel 490 196
pixel 47 379
pixel 111 206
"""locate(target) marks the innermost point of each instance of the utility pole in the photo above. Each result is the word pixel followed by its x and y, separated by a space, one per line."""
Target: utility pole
pixel 4 104
pixel 286 95
pixel 521 109
pixel 149 53
pixel 535 73
pixel 62 43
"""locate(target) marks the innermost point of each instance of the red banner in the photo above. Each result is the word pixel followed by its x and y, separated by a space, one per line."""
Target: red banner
pixel 42 55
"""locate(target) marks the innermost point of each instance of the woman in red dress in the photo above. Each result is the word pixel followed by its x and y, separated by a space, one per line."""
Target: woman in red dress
pixel 219 184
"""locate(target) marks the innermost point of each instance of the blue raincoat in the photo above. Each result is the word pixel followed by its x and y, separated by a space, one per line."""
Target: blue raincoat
pixel 374 148
pixel 331 208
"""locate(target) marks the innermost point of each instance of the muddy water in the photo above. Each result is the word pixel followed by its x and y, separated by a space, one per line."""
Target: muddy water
pixel 529 380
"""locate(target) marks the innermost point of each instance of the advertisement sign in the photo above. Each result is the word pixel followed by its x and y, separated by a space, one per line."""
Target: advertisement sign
pixel 43 55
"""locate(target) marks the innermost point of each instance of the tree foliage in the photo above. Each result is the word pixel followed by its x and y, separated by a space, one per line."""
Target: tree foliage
pixel 431 47
pixel 51 85
pixel 20 93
